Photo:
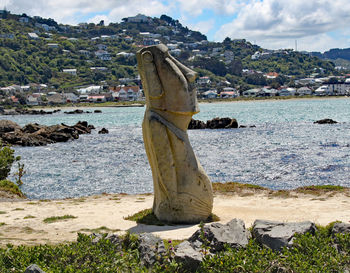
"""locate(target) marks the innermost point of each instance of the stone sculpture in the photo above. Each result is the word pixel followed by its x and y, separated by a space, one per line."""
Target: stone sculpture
pixel 182 190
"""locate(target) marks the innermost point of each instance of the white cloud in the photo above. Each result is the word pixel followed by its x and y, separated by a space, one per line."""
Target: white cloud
pixel 68 11
pixel 196 7
pixel 202 26
pixel 281 22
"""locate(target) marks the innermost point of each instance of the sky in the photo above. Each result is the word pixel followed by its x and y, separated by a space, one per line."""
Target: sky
pixel 311 25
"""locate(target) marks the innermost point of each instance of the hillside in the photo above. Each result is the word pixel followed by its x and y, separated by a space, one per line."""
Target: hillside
pixel 38 50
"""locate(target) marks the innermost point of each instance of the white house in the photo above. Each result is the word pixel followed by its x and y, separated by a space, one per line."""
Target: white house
pixel 139 18
pixel 302 91
pixel 90 89
pixel 103 55
pixel 203 80
pixel 71 71
pixel 210 94
pixel 127 93
pixel 251 92
pixel 323 90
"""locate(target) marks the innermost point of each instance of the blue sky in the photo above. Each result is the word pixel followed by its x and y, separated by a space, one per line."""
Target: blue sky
pixel 317 25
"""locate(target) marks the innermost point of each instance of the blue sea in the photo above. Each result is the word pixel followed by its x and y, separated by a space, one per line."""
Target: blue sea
pixel 285 150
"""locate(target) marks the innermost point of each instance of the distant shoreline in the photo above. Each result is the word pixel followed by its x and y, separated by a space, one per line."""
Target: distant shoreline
pixel 200 101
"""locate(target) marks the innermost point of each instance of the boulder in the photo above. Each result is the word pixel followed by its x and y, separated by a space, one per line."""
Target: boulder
pixel 151 248
pixel 103 131
pixel 97 111
pixel 326 121
pixel 77 111
pixel 114 239
pixel 31 128
pixel 196 124
pixel 33 268
pixel 222 123
pixel 276 235
pixel 188 256
pixel 8 126
pixel 217 235
pixel 340 228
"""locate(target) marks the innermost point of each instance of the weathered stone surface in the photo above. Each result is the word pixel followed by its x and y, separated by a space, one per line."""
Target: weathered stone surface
pixel 188 256
pixel 222 123
pixel 197 124
pixel 277 235
pixel 33 268
pixel 182 190
pixel 103 131
pixel 341 228
pixel 114 239
pixel 151 248
pixel 39 135
pixel 217 235
pixel 326 121
pixel 8 126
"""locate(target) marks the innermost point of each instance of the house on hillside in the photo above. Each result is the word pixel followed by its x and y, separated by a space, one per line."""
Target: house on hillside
pixel 71 71
pixel 56 99
pixel 303 91
pixel 127 93
pixel 203 80
pixel 33 35
pixel 139 18
pixel 33 100
pixel 103 55
pixel 97 98
pixel 71 97
pixel 101 47
pixel 210 94
pixel 251 92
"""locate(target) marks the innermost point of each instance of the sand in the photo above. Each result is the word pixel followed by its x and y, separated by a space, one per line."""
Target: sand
pixel 21 222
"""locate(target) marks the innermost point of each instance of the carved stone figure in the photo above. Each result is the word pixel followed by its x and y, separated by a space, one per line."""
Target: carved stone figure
pixel 182 190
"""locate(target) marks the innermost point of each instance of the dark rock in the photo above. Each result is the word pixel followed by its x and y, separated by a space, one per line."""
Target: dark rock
pixel 38 135
pixel 8 126
pixel 114 239
pixel 31 128
pixel 97 111
pixel 151 248
pixel 326 121
pixel 77 111
pixel 103 131
pixel 277 235
pixel 242 126
pixel 233 234
pixel 196 124
pixel 340 228
pixel 188 256
pixel 222 123
pixel 33 268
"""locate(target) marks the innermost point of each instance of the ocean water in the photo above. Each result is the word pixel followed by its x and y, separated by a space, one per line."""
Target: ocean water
pixel 285 150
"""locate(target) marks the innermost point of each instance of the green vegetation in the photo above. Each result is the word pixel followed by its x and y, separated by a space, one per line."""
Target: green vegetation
pixel 147 217
pixel 321 189
pixel 2 224
pixel 58 218
pixel 7 158
pixel 311 253
pixel 29 217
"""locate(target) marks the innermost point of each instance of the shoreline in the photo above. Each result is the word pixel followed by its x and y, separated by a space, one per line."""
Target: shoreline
pixel 24 221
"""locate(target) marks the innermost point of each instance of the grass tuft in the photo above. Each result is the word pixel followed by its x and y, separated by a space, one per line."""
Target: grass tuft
pixel 10 187
pixel 147 217
pixel 320 189
pixel 58 218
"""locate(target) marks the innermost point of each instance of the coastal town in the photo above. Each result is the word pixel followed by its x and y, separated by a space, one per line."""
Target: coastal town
pixel 102 68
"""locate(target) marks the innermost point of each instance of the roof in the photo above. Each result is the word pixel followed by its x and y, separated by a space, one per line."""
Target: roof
pixel 135 88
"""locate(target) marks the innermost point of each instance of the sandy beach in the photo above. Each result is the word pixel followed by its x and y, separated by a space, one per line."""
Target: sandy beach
pixel 22 222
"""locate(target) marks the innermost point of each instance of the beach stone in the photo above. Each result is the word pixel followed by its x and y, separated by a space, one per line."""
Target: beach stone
pixel 8 126
pixel 31 128
pixel 103 131
pixel 222 123
pixel 114 238
pixel 188 256
pixel 196 124
pixel 326 121
pixel 276 235
pixel 33 268
pixel 233 234
pixel 340 228
pixel 151 248
pixel 97 111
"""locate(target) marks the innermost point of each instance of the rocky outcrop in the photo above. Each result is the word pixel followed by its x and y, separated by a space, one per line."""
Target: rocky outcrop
pixel 197 124
pixel 276 235
pixel 103 131
pixel 40 135
pixel 33 268
pixel 8 126
pixel 222 123
pixel 76 111
pixel 325 121
pixel 215 123
pixel 188 256
pixel 19 111
pixel 151 248
pixel 97 111
pixel 217 235
pixel 340 228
